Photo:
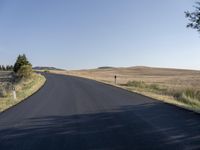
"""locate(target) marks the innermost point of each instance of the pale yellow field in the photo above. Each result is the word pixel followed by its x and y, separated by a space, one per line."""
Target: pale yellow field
pixel 167 77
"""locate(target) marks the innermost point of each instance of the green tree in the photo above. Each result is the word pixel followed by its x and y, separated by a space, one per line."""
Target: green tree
pixel 194 17
pixel 0 68
pixel 3 68
pixel 11 67
pixel 17 64
pixel 21 61
pixel 25 71
pixel 7 68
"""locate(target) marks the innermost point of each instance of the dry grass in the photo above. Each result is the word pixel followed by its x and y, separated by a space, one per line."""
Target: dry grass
pixel 172 81
pixel 24 89
pixel 167 77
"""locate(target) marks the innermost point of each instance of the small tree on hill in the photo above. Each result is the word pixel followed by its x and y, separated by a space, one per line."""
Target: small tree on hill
pixel 23 67
pixel 21 61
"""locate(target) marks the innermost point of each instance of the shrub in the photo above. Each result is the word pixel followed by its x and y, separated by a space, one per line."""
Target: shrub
pixel 25 71
pixel 3 92
pixel 191 93
pixel 5 89
pixel 175 94
pixel 154 87
pixel 21 61
pixel 188 96
pixel 46 71
pixel 139 84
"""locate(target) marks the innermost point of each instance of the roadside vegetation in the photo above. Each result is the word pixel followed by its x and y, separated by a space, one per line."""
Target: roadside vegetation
pixel 185 96
pixel 6 68
pixel 22 80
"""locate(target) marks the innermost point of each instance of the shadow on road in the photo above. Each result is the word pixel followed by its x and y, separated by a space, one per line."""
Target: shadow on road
pixel 149 126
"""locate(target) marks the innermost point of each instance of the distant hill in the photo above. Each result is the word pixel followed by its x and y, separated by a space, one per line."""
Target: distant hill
pixel 46 68
pixel 106 67
pixel 142 73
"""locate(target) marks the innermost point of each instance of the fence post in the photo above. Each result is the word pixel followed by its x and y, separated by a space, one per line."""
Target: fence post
pixel 14 93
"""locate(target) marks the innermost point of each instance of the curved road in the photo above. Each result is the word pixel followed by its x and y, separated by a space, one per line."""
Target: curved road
pixel 71 113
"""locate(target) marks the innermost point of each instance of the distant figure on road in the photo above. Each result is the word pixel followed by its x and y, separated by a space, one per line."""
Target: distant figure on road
pixel 115 79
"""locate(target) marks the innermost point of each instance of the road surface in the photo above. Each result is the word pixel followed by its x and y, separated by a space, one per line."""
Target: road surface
pixel 71 113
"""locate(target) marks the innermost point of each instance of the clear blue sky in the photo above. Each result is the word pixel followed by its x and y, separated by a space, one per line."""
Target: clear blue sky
pixel 78 34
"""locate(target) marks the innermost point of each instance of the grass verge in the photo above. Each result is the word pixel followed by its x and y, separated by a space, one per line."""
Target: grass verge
pixel 24 88
pixel 182 97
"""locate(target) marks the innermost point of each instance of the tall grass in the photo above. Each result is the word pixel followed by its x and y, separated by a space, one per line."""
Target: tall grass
pixel 186 96
pixel 138 84
pixel 150 87
pixel 5 89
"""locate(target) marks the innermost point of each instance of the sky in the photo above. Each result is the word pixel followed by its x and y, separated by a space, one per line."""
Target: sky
pixel 82 34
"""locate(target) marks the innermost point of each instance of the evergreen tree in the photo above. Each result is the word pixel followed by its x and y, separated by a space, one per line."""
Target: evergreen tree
pixel 17 64
pixel 11 67
pixel 3 68
pixel 7 68
pixel 21 61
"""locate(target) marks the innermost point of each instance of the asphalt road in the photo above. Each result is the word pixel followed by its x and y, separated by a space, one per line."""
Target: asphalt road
pixel 71 113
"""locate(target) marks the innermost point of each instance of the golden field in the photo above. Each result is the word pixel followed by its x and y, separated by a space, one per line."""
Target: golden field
pixel 168 77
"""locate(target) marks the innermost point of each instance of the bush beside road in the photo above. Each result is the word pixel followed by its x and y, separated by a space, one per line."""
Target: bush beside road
pixel 18 84
pixel 25 87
